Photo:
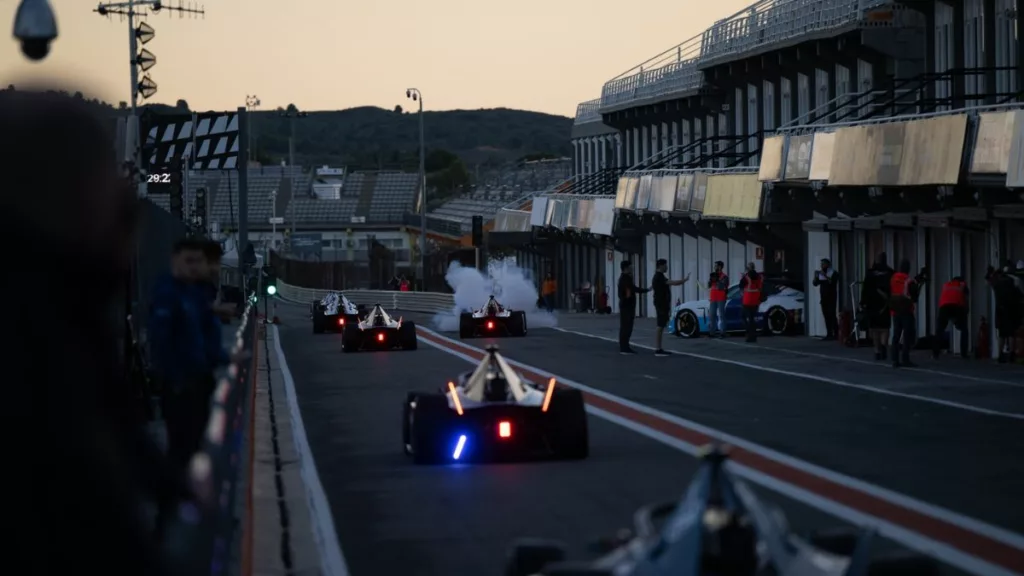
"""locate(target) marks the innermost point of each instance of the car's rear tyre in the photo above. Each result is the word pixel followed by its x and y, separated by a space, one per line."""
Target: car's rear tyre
pixel 777 320
pixel 517 324
pixel 351 338
pixel 426 427
pixel 410 399
pixel 687 325
pixel 407 335
pixel 466 325
pixel 569 416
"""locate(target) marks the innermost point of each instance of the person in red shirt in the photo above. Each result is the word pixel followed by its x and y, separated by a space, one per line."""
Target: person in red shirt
pixel 752 285
pixel 952 308
pixel 903 293
pixel 718 286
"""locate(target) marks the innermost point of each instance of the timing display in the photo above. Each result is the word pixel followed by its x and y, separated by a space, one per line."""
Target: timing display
pixel 160 178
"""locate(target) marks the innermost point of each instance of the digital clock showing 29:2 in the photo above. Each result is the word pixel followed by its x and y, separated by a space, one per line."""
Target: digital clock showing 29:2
pixel 159 178
pixel 158 181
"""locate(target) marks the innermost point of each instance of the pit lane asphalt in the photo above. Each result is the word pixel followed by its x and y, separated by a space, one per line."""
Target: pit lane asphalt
pixel 396 518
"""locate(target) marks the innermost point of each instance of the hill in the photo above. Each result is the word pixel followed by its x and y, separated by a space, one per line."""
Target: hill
pixel 376 138
pixel 371 137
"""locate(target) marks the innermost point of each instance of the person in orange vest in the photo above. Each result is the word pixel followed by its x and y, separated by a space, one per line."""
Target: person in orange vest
pixel 751 284
pixel 952 308
pixel 547 291
pixel 403 285
pixel 903 293
pixel 718 286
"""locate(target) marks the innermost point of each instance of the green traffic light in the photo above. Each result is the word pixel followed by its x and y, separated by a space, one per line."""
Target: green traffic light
pixel 271 289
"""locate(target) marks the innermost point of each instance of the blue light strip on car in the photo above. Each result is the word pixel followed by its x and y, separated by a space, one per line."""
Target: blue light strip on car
pixel 459 447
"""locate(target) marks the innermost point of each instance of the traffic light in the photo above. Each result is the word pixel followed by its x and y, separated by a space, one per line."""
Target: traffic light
pixel 201 209
pixel 269 281
pixel 478 231
pixel 177 191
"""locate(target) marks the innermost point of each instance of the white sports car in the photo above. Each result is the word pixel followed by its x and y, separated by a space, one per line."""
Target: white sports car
pixel 781 312
pixel 378 331
pixel 333 311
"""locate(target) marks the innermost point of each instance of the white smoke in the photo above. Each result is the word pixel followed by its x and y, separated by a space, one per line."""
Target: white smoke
pixel 512 286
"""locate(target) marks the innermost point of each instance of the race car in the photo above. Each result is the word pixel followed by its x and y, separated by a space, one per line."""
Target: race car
pixel 333 311
pixel 492 320
pixel 719 527
pixel 781 311
pixel 493 414
pixel 378 331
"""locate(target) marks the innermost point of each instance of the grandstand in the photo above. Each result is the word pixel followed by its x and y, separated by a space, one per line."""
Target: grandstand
pixel 458 212
pixel 322 202
pixel 532 175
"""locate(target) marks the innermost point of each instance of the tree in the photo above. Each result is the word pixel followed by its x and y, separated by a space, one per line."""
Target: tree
pixel 182 104
pixel 398 109
pixel 292 109
pixel 438 160
pixel 122 105
pixel 79 96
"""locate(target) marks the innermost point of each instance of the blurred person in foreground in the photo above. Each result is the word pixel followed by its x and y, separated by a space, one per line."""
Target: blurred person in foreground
pixel 93 466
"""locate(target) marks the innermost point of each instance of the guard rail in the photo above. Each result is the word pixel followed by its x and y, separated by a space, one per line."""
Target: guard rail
pixel 389 299
pixel 210 536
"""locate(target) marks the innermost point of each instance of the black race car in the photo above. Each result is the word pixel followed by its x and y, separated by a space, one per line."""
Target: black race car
pixel 719 527
pixel 378 331
pixel 332 312
pixel 492 320
pixel 493 413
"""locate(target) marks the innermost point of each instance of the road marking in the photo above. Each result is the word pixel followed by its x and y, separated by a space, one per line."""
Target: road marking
pixel 649 377
pixel 958 540
pixel 332 560
pixel 824 379
pixel 980 379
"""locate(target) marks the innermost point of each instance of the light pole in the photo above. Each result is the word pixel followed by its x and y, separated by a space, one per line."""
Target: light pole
pixel 417 96
pixel 292 113
pixel 251 104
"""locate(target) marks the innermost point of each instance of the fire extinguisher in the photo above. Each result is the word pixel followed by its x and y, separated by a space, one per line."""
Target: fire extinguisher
pixel 845 336
pixel 982 349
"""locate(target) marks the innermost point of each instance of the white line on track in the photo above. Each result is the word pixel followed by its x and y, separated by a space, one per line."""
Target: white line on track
pixel 332 560
pixel 895 532
pixel 823 379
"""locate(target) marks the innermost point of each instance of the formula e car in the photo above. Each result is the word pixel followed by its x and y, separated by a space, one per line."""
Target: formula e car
pixel 333 311
pixel 492 320
pixel 492 414
pixel 781 311
pixel 719 527
pixel 378 331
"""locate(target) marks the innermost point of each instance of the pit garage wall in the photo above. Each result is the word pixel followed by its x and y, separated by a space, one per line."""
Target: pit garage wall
pixel 947 251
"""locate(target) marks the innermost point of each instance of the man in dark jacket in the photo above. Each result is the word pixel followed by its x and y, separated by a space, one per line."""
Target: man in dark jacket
pixel 903 294
pixel 93 467
pixel 874 305
pixel 179 334
pixel 1009 310
pixel 627 306
pixel 662 288
pixel 827 281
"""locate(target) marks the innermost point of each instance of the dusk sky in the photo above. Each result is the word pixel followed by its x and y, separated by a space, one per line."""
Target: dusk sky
pixel 544 55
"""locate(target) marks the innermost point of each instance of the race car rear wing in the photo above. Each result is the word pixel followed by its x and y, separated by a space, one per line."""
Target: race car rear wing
pixel 476 384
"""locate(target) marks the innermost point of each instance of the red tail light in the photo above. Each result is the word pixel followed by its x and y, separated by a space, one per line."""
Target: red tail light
pixel 380 337
pixel 504 429
pixel 490 325
pixel 341 321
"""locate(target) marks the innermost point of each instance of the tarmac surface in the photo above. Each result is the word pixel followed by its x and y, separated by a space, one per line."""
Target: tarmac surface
pixel 946 433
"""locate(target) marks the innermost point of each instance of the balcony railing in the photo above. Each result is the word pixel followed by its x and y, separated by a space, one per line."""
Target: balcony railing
pixel 667 74
pixel 587 112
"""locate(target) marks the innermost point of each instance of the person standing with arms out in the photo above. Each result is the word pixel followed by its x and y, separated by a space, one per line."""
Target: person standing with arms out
pixel 662 288
pixel 718 287
pixel 627 306
pixel 952 308
pixel 903 292
pixel 874 304
pixel 752 285
pixel 827 281
pixel 547 291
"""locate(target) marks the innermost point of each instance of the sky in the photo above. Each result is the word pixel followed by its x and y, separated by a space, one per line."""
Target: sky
pixel 543 55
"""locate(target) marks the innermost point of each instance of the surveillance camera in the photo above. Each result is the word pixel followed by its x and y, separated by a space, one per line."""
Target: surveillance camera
pixel 35 27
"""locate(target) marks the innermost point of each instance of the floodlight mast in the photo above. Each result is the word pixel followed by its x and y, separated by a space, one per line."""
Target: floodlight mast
pixel 132 9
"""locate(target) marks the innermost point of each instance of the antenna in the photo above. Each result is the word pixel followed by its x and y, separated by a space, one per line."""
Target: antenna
pixel 144 60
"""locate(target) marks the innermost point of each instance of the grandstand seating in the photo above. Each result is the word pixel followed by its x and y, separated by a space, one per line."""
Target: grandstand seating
pixel 388 196
pixel 462 209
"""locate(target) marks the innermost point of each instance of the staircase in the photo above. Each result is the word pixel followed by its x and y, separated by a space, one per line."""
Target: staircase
pixel 366 195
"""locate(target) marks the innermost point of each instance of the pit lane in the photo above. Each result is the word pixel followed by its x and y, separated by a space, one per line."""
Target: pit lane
pixel 396 518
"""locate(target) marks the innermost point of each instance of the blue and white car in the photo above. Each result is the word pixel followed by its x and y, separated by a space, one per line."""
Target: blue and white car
pixel 780 313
